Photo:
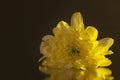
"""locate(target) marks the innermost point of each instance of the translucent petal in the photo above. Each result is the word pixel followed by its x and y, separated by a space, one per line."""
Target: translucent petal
pixel 105 44
pixel 47 37
pixel 77 21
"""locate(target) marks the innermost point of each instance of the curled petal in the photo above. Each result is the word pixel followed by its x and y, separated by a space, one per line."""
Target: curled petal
pixel 92 32
pixel 105 44
pixel 62 24
pixel 61 28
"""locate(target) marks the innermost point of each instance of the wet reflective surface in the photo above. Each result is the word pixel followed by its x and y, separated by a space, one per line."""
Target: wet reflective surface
pixel 75 74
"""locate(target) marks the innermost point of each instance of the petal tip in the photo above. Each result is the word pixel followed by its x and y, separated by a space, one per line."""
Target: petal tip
pixel 76 19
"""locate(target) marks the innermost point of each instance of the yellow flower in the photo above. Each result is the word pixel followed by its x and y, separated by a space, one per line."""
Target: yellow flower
pixel 74 46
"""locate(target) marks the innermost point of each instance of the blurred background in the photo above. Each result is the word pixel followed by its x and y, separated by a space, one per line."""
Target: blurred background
pixel 40 16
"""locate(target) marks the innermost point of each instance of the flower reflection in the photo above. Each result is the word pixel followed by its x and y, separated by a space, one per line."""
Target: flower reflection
pixel 75 74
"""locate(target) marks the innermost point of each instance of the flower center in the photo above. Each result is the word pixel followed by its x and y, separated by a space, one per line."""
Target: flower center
pixel 74 50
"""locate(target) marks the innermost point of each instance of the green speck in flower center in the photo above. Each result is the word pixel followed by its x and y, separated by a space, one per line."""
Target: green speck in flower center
pixel 74 50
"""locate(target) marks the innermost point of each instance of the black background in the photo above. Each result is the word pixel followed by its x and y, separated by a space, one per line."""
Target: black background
pixel 40 16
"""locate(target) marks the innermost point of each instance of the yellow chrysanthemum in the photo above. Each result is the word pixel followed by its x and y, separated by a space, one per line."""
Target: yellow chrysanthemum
pixel 74 46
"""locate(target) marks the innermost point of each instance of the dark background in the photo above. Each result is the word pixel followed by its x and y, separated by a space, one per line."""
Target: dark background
pixel 40 16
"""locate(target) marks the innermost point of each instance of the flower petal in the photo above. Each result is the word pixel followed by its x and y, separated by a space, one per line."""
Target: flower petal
pixel 92 33
pixel 104 62
pixel 61 28
pixel 104 44
pixel 77 21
